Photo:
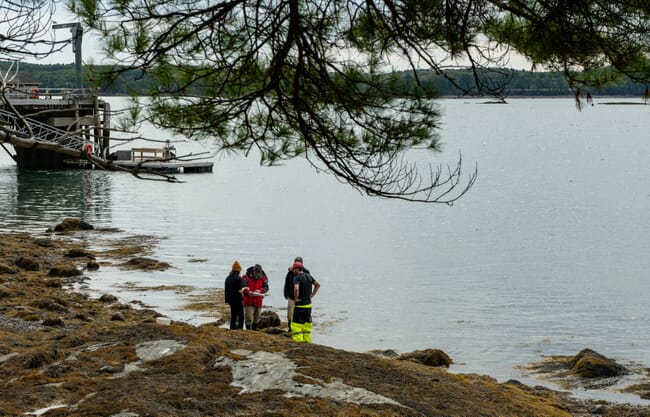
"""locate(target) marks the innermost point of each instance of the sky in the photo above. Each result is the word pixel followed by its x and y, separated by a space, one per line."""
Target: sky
pixel 91 47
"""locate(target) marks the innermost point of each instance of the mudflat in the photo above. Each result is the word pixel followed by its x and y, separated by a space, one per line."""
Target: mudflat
pixel 63 353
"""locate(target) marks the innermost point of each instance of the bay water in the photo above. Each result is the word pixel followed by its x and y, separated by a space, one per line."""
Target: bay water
pixel 548 253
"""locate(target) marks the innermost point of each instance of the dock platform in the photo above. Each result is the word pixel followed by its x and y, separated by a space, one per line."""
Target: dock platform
pixel 158 160
pixel 171 167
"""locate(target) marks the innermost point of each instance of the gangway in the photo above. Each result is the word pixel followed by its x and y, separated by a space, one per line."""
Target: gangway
pixel 42 131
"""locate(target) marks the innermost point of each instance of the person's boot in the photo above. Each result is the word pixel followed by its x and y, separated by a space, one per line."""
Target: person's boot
pixel 248 327
pixel 254 326
pixel 289 327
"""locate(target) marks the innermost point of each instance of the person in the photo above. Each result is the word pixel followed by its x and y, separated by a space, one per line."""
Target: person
pixel 288 289
pixel 305 288
pixel 233 290
pixel 256 286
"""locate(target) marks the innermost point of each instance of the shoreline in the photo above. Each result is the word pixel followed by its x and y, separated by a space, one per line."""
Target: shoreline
pixel 64 353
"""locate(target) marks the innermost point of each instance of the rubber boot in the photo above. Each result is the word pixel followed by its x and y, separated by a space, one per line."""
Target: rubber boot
pixel 248 327
pixel 254 326
pixel 289 326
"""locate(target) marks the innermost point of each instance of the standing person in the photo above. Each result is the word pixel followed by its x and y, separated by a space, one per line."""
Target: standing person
pixel 233 290
pixel 256 285
pixel 288 289
pixel 305 288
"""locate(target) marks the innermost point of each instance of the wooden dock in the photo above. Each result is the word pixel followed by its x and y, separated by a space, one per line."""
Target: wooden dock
pixel 79 122
pixel 170 167
pixel 158 160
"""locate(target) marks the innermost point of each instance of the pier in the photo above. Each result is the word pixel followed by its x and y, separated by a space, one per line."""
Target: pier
pixel 66 127
pixel 76 120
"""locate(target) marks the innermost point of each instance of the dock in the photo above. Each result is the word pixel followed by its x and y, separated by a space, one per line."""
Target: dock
pixel 68 126
pixel 158 160
pixel 171 167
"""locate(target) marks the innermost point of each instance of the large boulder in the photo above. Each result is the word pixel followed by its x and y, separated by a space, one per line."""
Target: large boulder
pixel 590 364
pixel 429 357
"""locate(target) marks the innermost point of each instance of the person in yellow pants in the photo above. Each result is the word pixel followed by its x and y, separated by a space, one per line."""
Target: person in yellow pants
pixel 305 288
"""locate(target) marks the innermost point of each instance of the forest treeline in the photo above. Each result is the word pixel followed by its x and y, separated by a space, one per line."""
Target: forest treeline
pixel 519 82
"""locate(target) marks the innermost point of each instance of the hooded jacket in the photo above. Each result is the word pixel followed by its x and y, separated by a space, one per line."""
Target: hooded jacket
pixel 257 283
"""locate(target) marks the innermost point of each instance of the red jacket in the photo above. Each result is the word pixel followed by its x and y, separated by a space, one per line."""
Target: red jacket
pixel 260 285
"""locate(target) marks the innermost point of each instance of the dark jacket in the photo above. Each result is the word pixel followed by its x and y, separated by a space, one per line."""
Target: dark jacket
pixel 288 283
pixel 232 287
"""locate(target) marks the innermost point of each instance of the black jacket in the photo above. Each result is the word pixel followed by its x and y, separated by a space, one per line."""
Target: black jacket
pixel 232 286
pixel 288 283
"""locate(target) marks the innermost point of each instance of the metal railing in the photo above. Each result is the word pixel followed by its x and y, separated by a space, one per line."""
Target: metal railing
pixel 42 131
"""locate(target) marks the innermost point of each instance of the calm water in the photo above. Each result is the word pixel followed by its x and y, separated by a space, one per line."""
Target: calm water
pixel 548 253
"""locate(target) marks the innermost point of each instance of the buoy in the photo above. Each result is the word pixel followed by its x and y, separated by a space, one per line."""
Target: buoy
pixel 88 148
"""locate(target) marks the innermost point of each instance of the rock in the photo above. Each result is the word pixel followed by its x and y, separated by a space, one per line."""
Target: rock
pixel 118 317
pixel 36 360
pixel 7 269
pixel 50 305
pixel 64 271
pixel 108 369
pixel 145 263
pixel 387 353
pixel 92 266
pixel 79 253
pixel 429 357
pixel 54 283
pixel 72 224
pixel 44 243
pixel 27 264
pixel 108 298
pixel 590 364
pixel 54 322
pixel 269 319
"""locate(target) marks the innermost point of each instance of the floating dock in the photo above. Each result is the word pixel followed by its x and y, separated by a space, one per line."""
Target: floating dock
pixel 158 160
pixel 170 167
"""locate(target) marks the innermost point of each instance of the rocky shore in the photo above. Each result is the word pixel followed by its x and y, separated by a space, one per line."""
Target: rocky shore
pixel 63 353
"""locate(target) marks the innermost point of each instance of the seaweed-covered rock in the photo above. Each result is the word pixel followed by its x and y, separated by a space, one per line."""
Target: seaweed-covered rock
pixel 27 263
pixel 79 253
pixel 7 269
pixel 108 298
pixel 429 357
pixel 384 353
pixel 590 364
pixel 269 319
pixel 92 265
pixel 64 271
pixel 145 263
pixel 72 224
pixel 44 243
pixel 54 322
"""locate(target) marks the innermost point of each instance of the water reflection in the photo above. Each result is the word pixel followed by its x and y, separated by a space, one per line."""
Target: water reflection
pixel 37 199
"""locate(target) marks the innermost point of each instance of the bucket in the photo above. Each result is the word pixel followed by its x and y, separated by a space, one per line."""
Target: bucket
pixel 163 321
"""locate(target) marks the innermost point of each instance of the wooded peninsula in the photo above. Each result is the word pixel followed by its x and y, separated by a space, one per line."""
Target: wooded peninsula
pixel 518 82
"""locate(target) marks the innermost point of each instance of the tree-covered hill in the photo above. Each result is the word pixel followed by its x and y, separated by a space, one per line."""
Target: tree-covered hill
pixel 63 76
pixel 519 82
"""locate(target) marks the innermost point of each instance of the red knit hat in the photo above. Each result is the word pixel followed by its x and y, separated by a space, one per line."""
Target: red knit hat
pixel 297 265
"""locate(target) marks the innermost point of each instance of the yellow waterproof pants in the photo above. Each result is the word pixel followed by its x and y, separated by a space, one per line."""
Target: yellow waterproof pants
pixel 301 324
